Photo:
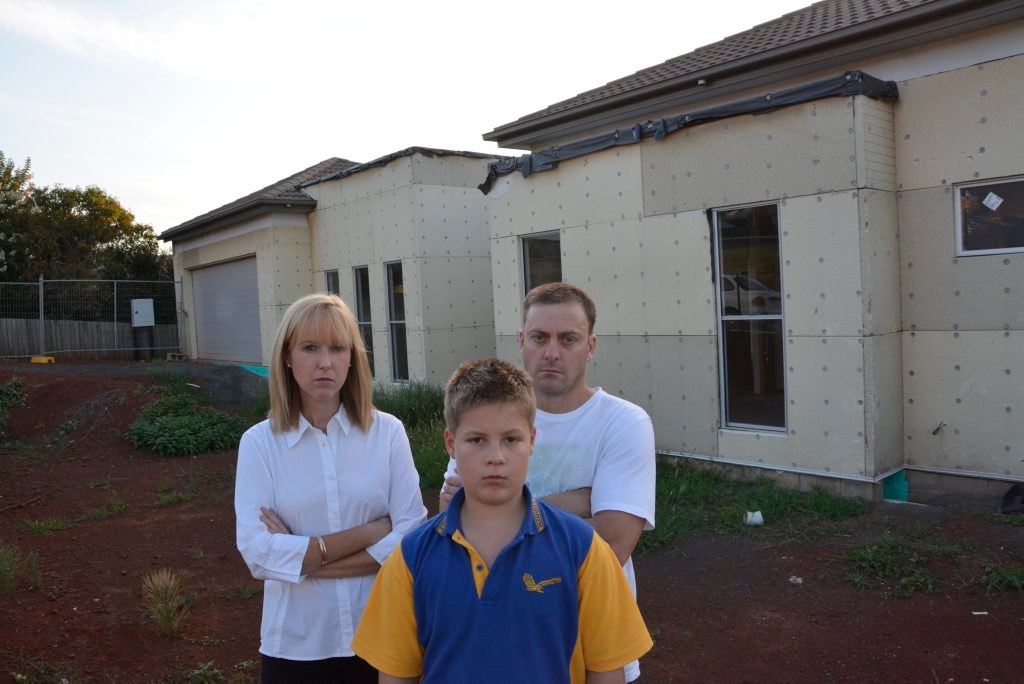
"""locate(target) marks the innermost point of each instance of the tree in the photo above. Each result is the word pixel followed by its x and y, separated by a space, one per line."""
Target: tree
pixel 63 232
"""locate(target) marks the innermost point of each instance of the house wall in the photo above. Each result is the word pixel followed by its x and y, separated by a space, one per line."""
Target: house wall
pixel 634 232
pixel 281 245
pixel 427 213
pixel 963 317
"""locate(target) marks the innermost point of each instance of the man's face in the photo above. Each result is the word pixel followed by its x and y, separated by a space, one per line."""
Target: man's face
pixel 556 345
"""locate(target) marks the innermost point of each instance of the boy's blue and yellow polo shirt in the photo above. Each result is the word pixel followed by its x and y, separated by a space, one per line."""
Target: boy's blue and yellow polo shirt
pixel 554 605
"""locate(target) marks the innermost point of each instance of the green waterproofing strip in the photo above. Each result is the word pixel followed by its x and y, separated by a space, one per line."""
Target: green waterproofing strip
pixel 895 487
pixel 261 371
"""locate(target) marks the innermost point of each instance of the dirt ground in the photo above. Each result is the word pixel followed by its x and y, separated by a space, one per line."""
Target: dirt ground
pixel 721 609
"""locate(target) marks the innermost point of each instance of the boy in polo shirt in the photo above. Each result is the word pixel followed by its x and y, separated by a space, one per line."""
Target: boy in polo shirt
pixel 500 587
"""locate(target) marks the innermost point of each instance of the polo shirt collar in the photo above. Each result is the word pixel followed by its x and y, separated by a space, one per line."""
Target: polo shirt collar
pixel 450 521
pixel 340 418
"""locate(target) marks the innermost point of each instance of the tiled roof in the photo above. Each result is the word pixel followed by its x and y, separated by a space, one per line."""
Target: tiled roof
pixel 816 20
pixel 285 191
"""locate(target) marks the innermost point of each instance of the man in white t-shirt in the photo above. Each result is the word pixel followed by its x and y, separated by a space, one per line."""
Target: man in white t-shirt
pixel 594 454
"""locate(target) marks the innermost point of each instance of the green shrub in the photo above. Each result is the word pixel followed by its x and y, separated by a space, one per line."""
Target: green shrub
pixel 1000 578
pixel 427 441
pixel 414 403
pixel 11 397
pixel 177 426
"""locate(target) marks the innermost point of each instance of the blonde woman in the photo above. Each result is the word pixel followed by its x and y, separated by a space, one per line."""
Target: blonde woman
pixel 325 489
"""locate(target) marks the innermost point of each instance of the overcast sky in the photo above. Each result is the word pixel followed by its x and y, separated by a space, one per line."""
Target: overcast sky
pixel 176 108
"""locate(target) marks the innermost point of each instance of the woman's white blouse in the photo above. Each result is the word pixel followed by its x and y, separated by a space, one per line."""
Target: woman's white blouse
pixel 319 483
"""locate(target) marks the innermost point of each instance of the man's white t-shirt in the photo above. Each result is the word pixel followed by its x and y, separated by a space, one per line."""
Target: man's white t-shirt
pixel 606 444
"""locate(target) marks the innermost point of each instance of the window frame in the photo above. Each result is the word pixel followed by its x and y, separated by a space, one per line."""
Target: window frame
pixel 328 273
pixel 364 318
pixel 524 240
pixel 389 270
pixel 958 216
pixel 723 319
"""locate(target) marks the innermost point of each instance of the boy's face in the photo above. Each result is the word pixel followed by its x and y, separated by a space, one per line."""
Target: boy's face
pixel 491 447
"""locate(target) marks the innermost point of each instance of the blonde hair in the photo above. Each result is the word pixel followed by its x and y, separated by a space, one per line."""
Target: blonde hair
pixel 487 381
pixel 327 316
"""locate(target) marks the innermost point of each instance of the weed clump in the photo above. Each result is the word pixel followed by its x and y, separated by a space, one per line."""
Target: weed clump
pixel 11 397
pixel 165 601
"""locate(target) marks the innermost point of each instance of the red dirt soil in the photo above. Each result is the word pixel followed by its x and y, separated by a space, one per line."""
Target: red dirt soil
pixel 720 609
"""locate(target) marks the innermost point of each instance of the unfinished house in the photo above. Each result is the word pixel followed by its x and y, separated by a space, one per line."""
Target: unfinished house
pixel 806 242
pixel 403 240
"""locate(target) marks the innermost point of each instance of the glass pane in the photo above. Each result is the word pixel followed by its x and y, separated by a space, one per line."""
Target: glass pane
pixel 366 332
pixel 397 290
pixel 400 357
pixel 992 216
pixel 750 282
pixel 363 295
pixel 542 259
pixel 331 278
pixel 755 380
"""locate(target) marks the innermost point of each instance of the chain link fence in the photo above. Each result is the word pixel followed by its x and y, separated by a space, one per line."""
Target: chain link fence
pixel 109 319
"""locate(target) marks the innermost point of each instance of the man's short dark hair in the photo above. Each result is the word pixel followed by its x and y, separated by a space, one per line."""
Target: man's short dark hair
pixel 561 293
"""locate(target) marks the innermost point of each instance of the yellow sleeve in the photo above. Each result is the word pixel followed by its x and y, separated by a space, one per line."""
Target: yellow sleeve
pixel 612 631
pixel 386 635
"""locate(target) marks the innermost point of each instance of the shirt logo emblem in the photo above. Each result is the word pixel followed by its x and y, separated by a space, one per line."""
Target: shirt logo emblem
pixel 538 587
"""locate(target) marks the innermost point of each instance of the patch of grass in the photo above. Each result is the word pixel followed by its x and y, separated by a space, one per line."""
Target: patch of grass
pixel 694 500
pixel 177 426
pixel 206 673
pixel 414 403
pixel 11 397
pixel 165 600
pixel 172 499
pixel 26 668
pixel 895 563
pixel 999 578
pixel 1014 519
pixel 241 593
pixel 429 453
pixel 11 567
pixel 245 666
pixel 47 525
pixel 115 506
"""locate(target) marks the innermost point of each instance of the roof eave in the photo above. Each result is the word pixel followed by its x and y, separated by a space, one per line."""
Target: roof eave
pixel 904 29
pixel 257 207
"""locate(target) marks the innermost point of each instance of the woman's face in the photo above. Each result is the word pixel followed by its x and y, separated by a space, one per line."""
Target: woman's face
pixel 320 366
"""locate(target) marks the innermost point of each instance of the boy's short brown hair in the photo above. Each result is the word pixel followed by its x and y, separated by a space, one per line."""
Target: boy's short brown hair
pixel 487 381
pixel 561 293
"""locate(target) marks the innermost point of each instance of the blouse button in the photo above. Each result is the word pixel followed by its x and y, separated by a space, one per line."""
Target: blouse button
pixel 479 568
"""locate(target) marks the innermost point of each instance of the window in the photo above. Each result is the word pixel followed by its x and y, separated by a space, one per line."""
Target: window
pixel 331 282
pixel 396 322
pixel 542 259
pixel 990 217
pixel 362 278
pixel 750 317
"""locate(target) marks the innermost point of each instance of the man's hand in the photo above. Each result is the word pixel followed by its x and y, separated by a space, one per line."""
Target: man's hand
pixel 452 483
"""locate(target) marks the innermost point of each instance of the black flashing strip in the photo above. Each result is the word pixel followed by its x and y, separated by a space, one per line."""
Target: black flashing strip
pixel 850 83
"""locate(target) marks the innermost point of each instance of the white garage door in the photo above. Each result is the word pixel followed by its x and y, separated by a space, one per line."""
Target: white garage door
pixel 227 310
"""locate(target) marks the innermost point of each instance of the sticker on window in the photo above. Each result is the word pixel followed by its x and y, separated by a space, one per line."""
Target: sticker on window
pixel 992 201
